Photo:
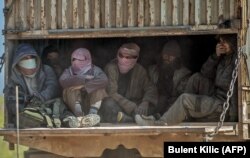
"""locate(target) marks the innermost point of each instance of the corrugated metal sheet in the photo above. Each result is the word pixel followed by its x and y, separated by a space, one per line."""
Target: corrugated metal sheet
pixel 29 15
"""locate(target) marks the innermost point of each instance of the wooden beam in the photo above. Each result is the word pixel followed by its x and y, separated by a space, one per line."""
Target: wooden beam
pixel 119 15
pixel 64 14
pixel 186 12
pixel 209 12
pixel 197 12
pixel 23 17
pixel 175 12
pixel 140 13
pixel 87 19
pixel 152 13
pixel 107 14
pixel 75 14
pixel 43 16
pixel 97 14
pixel 130 13
pixel 119 32
pixel 53 14
pixel 32 15
pixel 221 7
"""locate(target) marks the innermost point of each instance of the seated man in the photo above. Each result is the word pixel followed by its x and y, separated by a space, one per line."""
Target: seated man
pixel 129 88
pixel 84 86
pixel 51 57
pixel 206 91
pixel 169 75
pixel 34 80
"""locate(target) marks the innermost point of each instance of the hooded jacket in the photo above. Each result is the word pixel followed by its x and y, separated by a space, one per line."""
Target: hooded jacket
pixel 47 88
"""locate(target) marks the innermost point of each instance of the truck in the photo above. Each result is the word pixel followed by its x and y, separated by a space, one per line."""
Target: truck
pixel 101 26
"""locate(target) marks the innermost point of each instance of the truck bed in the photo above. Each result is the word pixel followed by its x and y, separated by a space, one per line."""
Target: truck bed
pixel 92 141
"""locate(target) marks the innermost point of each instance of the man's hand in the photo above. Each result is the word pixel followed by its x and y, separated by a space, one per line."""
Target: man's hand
pixel 142 109
pixel 220 49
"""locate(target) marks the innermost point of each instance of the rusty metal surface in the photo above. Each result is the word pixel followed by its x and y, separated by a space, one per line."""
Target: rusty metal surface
pixel 77 14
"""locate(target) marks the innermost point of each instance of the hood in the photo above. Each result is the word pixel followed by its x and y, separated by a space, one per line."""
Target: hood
pixel 22 51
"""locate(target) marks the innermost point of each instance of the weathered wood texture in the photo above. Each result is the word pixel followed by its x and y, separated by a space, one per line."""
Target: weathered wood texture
pixel 147 140
pixel 77 14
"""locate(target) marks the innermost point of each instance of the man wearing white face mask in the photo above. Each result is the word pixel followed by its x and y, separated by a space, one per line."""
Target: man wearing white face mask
pixel 33 78
pixel 130 90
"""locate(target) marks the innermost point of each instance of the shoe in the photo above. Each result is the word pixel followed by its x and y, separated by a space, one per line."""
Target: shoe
pixel 143 120
pixel 124 118
pixel 90 120
pixel 71 122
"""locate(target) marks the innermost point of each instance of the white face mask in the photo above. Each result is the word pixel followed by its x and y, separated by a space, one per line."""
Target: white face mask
pixel 27 63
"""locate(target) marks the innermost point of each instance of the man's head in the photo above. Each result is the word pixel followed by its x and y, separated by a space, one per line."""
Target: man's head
pixel 127 56
pixel 228 43
pixel 50 55
pixel 26 60
pixel 171 50
pixel 81 60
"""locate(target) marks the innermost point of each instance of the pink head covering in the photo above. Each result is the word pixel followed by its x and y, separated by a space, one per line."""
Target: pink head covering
pixel 127 56
pixel 81 61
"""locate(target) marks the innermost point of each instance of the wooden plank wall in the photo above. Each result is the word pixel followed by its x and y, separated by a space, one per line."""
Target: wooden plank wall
pixel 29 15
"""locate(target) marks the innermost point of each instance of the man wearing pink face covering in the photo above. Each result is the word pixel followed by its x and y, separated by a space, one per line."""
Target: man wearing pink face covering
pixel 83 85
pixel 130 90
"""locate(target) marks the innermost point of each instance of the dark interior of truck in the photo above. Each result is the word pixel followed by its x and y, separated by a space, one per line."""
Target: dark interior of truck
pixel 195 48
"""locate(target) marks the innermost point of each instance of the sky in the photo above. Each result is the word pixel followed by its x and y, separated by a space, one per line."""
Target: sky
pixel 1 43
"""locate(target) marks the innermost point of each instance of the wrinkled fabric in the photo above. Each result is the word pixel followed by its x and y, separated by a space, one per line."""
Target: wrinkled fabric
pixel 219 70
pixel 170 86
pixel 44 84
pixel 92 80
pixel 28 63
pixel 211 86
pixel 83 62
pixel 45 76
pixel 128 49
pixel 125 64
pixel 139 89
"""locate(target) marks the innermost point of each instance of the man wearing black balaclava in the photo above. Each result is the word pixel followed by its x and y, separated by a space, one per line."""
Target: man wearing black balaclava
pixel 169 75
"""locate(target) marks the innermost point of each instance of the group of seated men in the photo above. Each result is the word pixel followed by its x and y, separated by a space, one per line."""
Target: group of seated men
pixel 167 93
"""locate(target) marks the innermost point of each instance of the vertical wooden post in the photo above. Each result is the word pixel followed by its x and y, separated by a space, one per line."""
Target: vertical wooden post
pixel 64 14
pixel 53 14
pixel 140 13
pixel 186 12
pixel 175 12
pixel 97 14
pixel 209 12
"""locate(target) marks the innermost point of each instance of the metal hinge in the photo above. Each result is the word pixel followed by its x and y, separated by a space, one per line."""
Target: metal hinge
pixel 2 60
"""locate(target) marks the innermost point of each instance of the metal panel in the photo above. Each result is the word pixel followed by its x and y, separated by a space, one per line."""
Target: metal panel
pixel 95 14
